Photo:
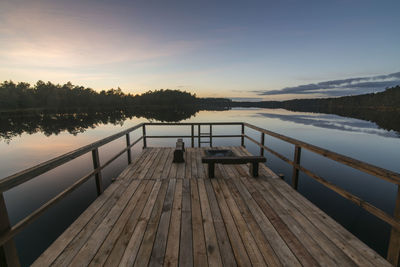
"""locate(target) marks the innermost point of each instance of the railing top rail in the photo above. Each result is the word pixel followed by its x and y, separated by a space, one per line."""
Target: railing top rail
pixel 25 175
pixel 193 123
pixel 385 174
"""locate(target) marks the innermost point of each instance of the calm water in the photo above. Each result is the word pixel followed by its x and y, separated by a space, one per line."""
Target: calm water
pixel 355 138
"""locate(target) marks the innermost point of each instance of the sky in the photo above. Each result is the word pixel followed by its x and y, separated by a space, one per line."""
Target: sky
pixel 269 50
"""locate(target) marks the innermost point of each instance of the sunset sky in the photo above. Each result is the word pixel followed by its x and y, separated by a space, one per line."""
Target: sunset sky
pixel 247 49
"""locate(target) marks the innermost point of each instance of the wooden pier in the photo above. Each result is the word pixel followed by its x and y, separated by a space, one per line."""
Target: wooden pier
pixel 162 213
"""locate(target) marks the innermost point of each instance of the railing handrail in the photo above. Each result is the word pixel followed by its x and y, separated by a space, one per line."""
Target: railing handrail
pixel 379 172
pixel 390 176
pixel 30 173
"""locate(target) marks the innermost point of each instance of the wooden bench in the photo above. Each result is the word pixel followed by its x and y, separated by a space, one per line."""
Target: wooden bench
pixel 254 160
pixel 178 153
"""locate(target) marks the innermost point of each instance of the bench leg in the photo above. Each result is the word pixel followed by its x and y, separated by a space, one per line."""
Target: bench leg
pixel 254 169
pixel 211 170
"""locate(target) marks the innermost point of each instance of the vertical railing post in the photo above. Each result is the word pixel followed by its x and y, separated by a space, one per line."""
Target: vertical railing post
pixel 144 136
pixel 262 143
pixel 394 241
pixel 96 164
pixel 295 175
pixel 128 143
pixel 210 135
pixel 199 135
pixel 242 138
pixel 192 135
pixel 8 251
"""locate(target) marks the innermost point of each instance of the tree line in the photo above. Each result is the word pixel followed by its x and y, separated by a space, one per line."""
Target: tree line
pixel 386 100
pixel 22 95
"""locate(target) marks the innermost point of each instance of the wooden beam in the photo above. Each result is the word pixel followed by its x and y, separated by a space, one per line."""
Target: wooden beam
pixel 242 139
pixel 189 136
pixel 295 175
pixel 144 136
pixel 30 173
pixel 211 135
pixel 233 160
pixel 387 175
pixel 394 222
pixel 192 135
pixel 96 164
pixel 8 251
pixel 128 151
pixel 262 144
pixel 394 241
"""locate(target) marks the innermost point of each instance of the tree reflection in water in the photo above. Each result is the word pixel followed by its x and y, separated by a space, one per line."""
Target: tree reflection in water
pixel 51 122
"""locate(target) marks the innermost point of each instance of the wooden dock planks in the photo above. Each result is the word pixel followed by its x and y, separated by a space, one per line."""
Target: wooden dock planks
pixel 163 213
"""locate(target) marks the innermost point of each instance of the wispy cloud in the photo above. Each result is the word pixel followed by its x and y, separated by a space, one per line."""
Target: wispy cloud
pixel 349 86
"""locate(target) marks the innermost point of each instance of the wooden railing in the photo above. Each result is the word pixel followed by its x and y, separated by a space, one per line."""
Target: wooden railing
pixel 8 254
pixel 394 221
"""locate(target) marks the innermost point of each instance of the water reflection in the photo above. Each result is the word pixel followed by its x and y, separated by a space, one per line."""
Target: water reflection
pixel 332 122
pixel 50 122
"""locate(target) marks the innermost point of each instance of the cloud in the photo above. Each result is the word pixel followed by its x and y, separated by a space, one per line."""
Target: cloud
pixel 350 86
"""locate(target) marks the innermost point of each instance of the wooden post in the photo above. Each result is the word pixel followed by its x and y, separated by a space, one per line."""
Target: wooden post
pixel 96 164
pixel 295 176
pixel 128 143
pixel 394 241
pixel 242 139
pixel 262 142
pixel 192 135
pixel 199 135
pixel 210 135
pixel 8 252
pixel 211 167
pixel 144 136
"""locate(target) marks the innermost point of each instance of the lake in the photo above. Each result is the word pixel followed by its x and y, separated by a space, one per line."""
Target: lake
pixel 29 139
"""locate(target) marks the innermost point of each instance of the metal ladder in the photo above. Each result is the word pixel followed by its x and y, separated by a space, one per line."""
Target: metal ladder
pixel 204 135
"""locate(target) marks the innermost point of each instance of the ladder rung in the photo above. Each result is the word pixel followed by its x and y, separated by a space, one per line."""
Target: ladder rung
pixel 205 133
pixel 205 142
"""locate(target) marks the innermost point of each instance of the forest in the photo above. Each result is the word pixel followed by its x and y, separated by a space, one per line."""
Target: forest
pixel 17 96
pixel 386 100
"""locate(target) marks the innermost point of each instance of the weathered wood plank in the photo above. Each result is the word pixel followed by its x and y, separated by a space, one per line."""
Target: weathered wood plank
pixel 114 245
pixel 250 244
pixel 285 254
pixel 267 251
pixel 155 164
pixel 160 166
pixel 132 248
pixel 160 243
pixel 290 238
pixel 168 165
pixel 188 163
pixel 80 239
pixel 241 254
pixel 86 253
pixel 144 253
pixel 213 253
pixel 172 251
pixel 146 165
pixel 349 244
pixel 228 258
pixel 199 247
pixel 296 220
pixel 186 239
